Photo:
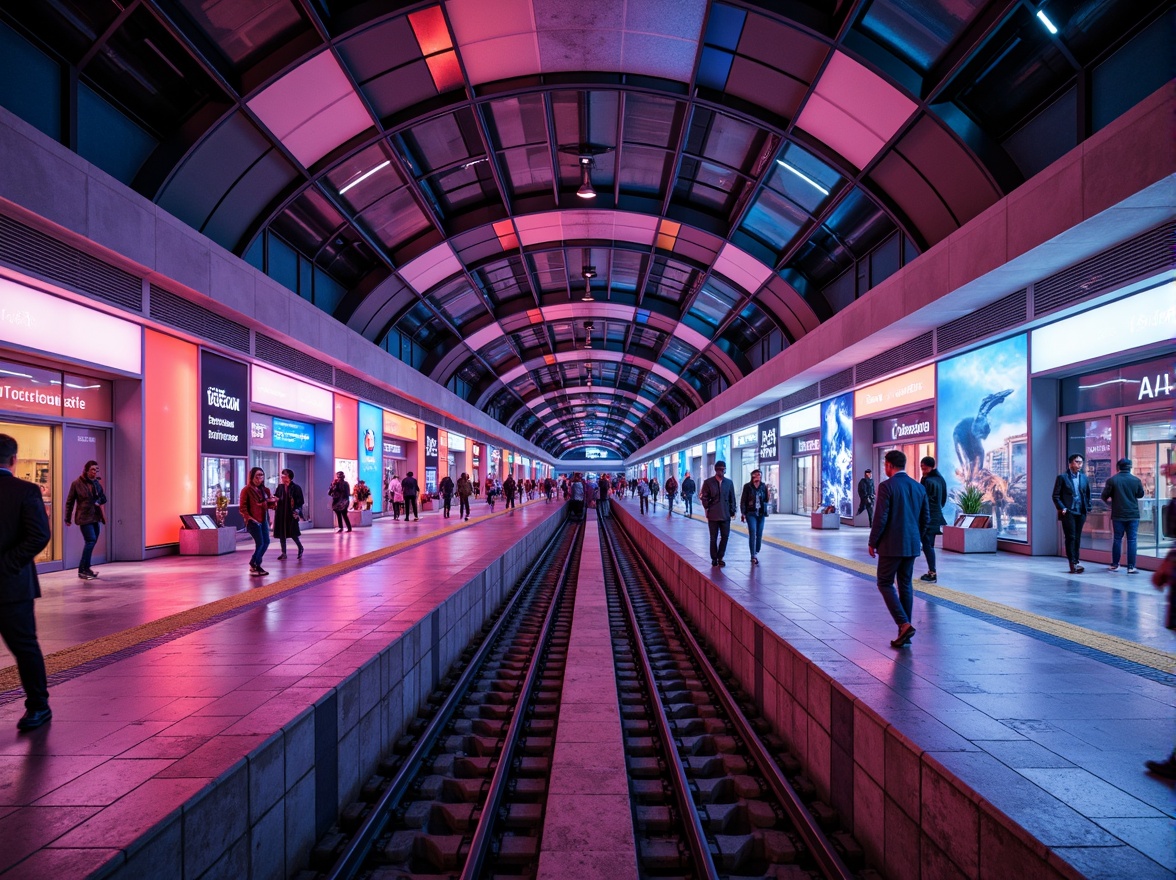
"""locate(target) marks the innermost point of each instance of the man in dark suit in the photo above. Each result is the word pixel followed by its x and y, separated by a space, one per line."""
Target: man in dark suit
pixel 1071 496
pixel 865 490
pixel 901 517
pixel 24 532
pixel 718 500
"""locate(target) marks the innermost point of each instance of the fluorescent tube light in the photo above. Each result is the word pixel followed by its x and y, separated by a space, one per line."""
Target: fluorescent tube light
pixel 803 177
pixel 365 176
pixel 1049 25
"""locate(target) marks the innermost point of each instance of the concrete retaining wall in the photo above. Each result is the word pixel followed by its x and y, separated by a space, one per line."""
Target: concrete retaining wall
pixel 912 816
pixel 261 817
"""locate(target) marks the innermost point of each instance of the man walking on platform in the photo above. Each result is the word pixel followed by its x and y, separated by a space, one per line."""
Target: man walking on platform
pixel 688 490
pixel 718 500
pixel 865 491
pixel 24 532
pixel 902 516
pixel 936 488
pixel 1122 492
pixel 1071 497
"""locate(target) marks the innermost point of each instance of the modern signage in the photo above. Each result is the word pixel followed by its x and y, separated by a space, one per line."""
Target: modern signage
pixel 746 437
pixel 38 321
pixel 457 443
pixel 261 429
pixel 807 444
pixel 35 390
pixel 282 392
pixel 1129 385
pixel 913 387
pixel 224 388
pixel 769 445
pixel 1140 319
pixel 292 435
pixel 371 449
pixel 801 421
pixel 396 425
pixel 432 447
pixel 393 450
pixel 918 425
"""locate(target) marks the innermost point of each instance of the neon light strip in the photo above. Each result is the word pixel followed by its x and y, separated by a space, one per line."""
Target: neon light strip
pixel 365 176
pixel 803 177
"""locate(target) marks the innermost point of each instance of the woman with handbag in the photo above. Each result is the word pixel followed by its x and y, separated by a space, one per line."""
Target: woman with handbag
pixel 340 492
pixel 86 493
pixel 288 512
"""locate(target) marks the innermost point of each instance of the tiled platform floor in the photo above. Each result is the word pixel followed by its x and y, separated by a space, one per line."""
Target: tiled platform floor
pixel 131 741
pixel 1054 738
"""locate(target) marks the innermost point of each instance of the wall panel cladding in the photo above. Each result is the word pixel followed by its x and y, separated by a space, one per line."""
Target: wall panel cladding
pixel 195 319
pixel 911 815
pixel 289 358
pixel 1144 255
pixel 258 819
pixel 32 251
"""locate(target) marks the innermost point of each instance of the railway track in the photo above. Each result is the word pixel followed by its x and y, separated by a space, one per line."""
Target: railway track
pixel 463 793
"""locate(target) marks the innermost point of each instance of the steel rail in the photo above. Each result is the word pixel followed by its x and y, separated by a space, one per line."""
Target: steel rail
pixel 351 860
pixel 480 841
pixel 822 850
pixel 704 863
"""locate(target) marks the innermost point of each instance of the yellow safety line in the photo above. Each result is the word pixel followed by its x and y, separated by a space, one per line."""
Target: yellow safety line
pixel 95 649
pixel 1144 655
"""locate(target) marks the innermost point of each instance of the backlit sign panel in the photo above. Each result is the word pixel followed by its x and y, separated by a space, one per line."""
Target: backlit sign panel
pixel 282 392
pixel 292 435
pixel 913 387
pixel 769 442
pixel 802 421
pixel 224 388
pixel 371 449
pixel 396 425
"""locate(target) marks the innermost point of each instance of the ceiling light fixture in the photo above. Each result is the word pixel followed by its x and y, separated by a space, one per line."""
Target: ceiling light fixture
pixel 586 191
pixel 365 176
pixel 1049 25
pixel 589 272
pixel 803 177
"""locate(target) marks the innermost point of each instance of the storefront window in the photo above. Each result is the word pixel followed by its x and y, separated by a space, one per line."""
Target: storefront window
pixel 222 476
pixel 35 463
pixel 1151 445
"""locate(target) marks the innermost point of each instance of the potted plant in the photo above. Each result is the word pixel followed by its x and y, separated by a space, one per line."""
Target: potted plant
pixel 972 531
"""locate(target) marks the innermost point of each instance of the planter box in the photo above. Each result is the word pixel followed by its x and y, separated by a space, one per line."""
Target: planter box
pixel 360 519
pixel 959 540
pixel 825 520
pixel 207 542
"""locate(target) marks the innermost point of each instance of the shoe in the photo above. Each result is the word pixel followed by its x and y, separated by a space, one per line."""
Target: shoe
pixel 261 571
pixel 1166 769
pixel 1111 568
pixel 755 560
pixel 930 577
pixel 255 572
pixel 416 519
pixel 281 556
pixel 714 563
pixel 1133 571
pixel 722 563
pixel 299 552
pixel 337 531
pixel 34 718
pixel 349 528
pixel 467 519
pixel 253 566
pixel 91 572
pixel 1078 569
pixel 904 636
pixel 86 576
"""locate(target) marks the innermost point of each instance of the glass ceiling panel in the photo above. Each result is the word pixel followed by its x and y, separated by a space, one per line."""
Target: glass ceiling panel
pixel 649 120
pixel 708 186
pixel 504 281
pixel 549 270
pixel 803 178
pixel 246 31
pixel 395 219
pixel 518 121
pixel 725 140
pixel 364 178
pixel 773 220
pixel 527 170
pixel 462 187
pixel 443 141
pixel 460 302
pixel 919 33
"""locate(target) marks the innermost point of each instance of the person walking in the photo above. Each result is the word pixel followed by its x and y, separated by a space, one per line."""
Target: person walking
pixel 865 491
pixel 902 517
pixel 509 487
pixel 446 488
pixel 604 487
pixel 1122 492
pixel 1163 577
pixel 411 489
pixel 86 495
pixel 577 494
pixel 287 512
pixel 24 533
pixel 396 494
pixel 717 498
pixel 689 487
pixel 643 494
pixel 654 490
pixel 491 492
pixel 256 503
pixel 753 510
pixel 936 488
pixel 465 489
pixel 671 491
pixel 340 495
pixel 1071 497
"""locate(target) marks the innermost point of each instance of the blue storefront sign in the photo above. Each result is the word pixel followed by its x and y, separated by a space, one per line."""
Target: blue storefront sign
pixel 292 435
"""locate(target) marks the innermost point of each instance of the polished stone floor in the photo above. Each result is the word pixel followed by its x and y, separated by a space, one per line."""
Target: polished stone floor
pixel 1053 734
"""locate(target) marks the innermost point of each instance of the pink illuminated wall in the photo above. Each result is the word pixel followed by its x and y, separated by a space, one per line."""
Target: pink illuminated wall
pixel 170 434
pixel 346 427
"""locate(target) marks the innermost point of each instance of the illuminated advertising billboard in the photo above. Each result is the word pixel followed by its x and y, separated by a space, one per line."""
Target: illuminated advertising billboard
pixel 371 450
pixel 224 420
pixel 837 485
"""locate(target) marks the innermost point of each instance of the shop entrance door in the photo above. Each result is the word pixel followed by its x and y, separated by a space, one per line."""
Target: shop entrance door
pixel 79 445
pixel 1151 448
pixel 915 452
pixel 808 484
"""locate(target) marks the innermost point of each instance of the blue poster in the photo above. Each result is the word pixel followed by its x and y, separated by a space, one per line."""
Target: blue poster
pixel 371 448
pixel 723 451
pixel 289 434
pixel 837 454
pixel 981 433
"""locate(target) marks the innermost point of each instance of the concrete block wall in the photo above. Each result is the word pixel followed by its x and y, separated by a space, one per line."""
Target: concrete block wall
pixel 263 815
pixel 913 817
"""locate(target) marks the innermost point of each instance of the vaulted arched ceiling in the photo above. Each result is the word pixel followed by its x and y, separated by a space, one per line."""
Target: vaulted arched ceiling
pixel 420 168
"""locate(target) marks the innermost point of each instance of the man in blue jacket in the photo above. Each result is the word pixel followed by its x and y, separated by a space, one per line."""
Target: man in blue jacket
pixel 901 517
pixel 24 532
